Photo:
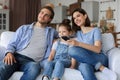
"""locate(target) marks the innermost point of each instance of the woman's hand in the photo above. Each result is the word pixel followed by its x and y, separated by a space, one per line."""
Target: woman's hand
pixel 73 42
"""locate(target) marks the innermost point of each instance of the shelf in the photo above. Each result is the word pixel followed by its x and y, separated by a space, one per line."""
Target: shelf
pixel 4 20
pixel 106 10
pixel 107 1
pixel 109 19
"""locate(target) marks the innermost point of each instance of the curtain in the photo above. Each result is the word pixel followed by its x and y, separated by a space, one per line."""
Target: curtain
pixel 23 12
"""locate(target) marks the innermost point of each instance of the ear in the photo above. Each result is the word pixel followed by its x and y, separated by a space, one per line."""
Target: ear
pixel 71 32
pixel 49 20
pixel 86 16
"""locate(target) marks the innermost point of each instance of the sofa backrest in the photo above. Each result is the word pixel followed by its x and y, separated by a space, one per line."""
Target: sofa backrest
pixel 5 38
pixel 107 40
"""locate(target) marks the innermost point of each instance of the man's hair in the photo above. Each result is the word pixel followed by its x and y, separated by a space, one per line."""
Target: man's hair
pixel 51 10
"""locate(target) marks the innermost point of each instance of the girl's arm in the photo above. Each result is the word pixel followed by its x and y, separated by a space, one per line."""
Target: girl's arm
pixel 95 48
pixel 73 63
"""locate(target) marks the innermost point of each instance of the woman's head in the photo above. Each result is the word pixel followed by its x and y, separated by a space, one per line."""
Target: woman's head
pixel 80 18
pixel 64 28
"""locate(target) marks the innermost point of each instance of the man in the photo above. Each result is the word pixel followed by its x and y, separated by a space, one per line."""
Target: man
pixel 29 48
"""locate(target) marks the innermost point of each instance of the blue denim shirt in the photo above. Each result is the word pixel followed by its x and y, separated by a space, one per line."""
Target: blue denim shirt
pixel 23 35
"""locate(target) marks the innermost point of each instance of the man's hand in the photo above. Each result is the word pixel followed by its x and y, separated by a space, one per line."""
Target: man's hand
pixel 9 59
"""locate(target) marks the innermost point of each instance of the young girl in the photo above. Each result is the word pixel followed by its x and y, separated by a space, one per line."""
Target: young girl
pixel 59 58
pixel 87 48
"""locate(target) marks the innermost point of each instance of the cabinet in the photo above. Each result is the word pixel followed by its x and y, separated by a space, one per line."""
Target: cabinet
pixel 4 20
pixel 74 6
pixel 60 14
pixel 92 9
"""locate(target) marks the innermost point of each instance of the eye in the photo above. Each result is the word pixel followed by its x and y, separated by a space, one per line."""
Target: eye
pixel 47 15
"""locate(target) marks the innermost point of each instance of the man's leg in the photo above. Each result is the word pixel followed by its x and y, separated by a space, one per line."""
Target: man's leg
pixel 31 70
pixel 7 70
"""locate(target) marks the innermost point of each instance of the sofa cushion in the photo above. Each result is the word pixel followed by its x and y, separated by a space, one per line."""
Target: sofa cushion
pixel 69 74
pixel 107 42
pixel 5 38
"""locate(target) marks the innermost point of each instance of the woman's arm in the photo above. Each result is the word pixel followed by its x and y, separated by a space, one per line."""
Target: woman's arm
pixel 95 48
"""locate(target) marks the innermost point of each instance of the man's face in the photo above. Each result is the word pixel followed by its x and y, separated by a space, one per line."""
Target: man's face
pixel 44 16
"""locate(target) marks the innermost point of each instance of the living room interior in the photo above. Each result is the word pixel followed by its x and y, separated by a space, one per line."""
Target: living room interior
pixel 102 13
pixel 14 13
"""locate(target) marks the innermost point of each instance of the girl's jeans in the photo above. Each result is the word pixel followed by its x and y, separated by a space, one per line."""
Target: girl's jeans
pixel 88 61
pixel 30 68
pixel 58 66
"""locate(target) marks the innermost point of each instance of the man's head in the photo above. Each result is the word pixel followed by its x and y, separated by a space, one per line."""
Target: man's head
pixel 45 15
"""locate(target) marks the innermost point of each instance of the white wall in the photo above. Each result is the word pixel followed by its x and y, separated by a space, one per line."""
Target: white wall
pixel 118 16
pixel 4 2
pixel 56 2
pixel 102 11
pixel 63 2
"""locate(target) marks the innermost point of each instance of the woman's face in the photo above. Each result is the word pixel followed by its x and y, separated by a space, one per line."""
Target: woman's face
pixel 79 18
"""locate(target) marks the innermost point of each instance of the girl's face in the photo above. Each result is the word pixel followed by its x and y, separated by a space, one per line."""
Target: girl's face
pixel 63 31
pixel 79 18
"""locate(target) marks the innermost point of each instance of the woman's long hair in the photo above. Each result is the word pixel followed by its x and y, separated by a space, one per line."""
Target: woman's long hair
pixel 87 21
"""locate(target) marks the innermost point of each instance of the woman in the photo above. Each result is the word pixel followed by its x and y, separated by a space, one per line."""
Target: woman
pixel 87 48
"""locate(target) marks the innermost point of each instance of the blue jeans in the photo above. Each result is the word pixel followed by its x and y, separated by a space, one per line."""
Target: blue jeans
pixel 88 61
pixel 58 66
pixel 30 68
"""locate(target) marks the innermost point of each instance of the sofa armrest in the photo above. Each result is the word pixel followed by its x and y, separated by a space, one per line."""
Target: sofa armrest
pixel 2 52
pixel 114 58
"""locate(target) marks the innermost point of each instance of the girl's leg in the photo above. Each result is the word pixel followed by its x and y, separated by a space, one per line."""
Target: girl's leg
pixel 48 68
pixel 87 71
pixel 59 68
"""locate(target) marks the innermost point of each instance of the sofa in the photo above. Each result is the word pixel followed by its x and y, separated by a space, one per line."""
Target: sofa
pixel 108 46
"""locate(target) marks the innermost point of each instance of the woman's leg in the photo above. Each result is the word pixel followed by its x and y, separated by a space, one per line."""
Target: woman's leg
pixel 99 61
pixel 87 71
pixel 86 56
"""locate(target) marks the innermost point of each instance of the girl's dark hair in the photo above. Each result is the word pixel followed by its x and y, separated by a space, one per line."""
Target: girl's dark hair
pixel 87 21
pixel 66 23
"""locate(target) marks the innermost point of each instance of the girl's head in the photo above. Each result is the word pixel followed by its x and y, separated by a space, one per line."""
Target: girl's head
pixel 64 28
pixel 80 18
